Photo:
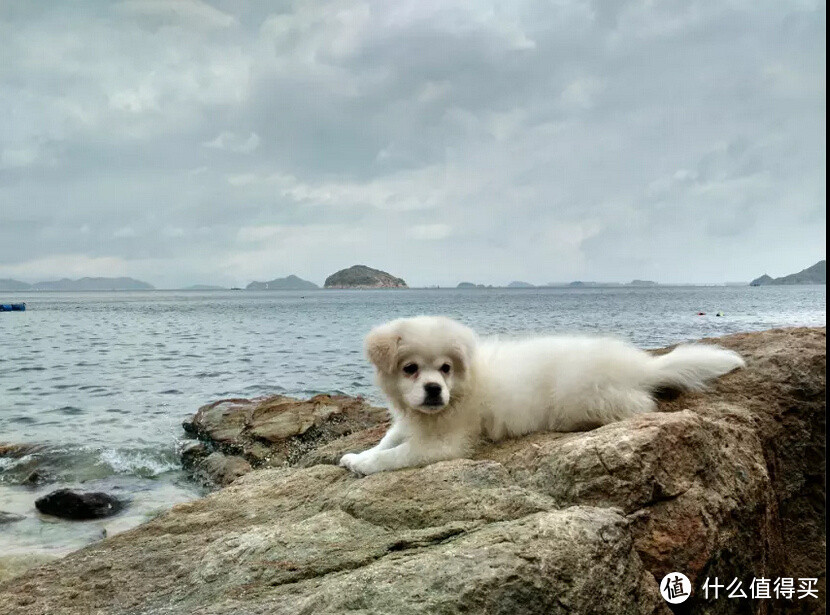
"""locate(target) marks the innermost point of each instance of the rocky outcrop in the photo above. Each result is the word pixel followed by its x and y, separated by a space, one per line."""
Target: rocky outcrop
pixel 727 482
pixel 361 276
pixel 236 435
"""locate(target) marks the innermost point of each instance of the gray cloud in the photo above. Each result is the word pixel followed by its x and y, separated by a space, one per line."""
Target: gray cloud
pixel 218 143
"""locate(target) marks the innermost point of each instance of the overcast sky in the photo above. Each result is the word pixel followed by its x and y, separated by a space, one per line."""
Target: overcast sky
pixel 184 142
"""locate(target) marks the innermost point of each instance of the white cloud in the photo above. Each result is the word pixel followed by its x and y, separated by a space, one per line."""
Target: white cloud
pixel 192 13
pixel 430 232
pixel 581 93
pixel 12 158
pixel 254 234
pixel 66 265
pixel 125 232
pixel 233 142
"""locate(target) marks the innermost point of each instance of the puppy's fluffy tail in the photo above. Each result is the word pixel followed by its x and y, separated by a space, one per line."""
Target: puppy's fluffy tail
pixel 691 366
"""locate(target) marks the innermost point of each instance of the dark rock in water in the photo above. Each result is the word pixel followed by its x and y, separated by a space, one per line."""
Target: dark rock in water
pixel 69 504
pixel 193 453
pixel 33 478
pixel 7 517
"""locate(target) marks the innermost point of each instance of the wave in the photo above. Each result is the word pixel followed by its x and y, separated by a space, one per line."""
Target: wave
pixel 139 463
pixel 77 464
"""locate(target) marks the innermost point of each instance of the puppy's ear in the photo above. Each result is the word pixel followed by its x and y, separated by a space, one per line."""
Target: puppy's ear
pixel 382 348
pixel 464 346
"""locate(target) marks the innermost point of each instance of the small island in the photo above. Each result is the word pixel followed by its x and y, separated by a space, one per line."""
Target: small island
pixel 363 277
pixel 291 282
pixel 519 284
pixel 817 274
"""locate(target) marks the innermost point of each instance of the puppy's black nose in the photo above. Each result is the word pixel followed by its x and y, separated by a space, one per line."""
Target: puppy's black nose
pixel 432 389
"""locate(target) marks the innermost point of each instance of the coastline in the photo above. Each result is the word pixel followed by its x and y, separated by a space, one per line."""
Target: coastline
pixel 326 533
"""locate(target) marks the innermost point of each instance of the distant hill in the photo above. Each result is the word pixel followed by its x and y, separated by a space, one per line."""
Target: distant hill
pixel 361 276
pixel 93 284
pixel 471 285
pixel 6 284
pixel 817 274
pixel 291 282
pixel 520 285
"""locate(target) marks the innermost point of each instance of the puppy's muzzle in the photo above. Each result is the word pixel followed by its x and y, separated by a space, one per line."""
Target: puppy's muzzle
pixel 432 395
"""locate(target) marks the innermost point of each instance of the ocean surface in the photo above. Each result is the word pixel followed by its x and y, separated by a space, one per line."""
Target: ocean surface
pixel 104 380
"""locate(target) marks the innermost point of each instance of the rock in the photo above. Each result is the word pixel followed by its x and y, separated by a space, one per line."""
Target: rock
pixel 69 504
pixel 34 478
pixel 12 565
pixel 727 482
pixel 223 469
pixel 273 431
pixel 33 464
pixel 18 451
pixel 361 276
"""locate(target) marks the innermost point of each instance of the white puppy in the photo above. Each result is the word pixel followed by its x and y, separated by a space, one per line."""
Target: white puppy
pixel 447 388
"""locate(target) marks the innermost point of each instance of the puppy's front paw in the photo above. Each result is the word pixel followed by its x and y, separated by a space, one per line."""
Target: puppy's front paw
pixel 348 460
pixel 361 463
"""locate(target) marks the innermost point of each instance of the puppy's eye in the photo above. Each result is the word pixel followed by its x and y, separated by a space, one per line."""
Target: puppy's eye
pixel 410 368
pixel 445 368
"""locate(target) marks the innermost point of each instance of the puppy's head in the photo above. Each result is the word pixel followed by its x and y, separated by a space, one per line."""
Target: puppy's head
pixel 422 363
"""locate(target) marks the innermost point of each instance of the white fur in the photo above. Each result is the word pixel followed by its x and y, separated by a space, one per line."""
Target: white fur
pixel 502 388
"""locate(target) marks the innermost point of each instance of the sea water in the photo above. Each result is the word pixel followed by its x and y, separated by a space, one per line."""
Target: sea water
pixel 102 381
